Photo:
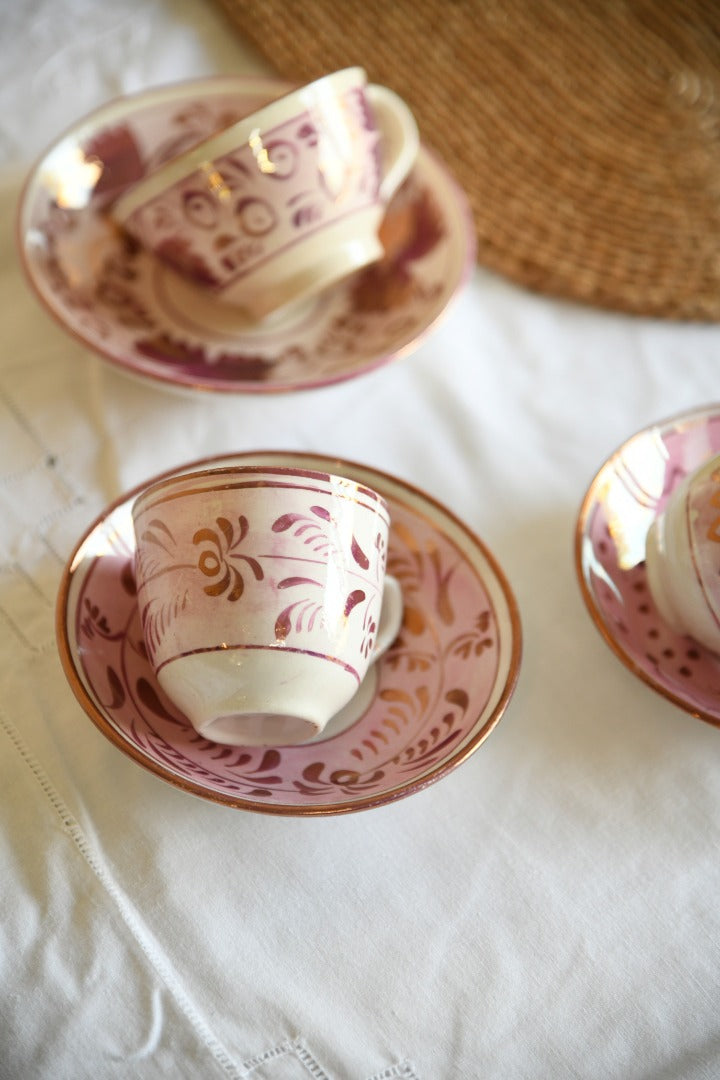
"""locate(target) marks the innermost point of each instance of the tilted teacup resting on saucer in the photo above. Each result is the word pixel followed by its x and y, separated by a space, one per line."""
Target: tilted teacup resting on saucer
pixel 125 304
pixel 284 202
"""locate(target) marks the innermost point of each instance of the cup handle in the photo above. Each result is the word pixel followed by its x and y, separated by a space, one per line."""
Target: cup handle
pixel 391 617
pixel 400 138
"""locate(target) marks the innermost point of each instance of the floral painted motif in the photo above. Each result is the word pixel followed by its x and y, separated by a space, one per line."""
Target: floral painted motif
pixel 218 558
pixel 231 553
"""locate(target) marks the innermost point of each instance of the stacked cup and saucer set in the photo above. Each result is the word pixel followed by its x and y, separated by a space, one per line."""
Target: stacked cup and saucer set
pixel 286 632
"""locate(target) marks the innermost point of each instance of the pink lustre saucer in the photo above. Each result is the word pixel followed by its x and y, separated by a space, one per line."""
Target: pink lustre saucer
pixel 125 305
pixel 435 695
pixel 629 491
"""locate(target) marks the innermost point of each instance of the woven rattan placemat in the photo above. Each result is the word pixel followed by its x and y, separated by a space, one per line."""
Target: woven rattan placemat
pixel 586 134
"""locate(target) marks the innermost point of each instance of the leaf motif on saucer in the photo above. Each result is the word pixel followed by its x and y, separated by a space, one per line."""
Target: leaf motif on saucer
pixel 474 642
pixel 94 620
pixel 410 230
pixel 118 149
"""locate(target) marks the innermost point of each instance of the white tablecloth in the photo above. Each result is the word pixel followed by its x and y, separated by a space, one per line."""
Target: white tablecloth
pixel 548 910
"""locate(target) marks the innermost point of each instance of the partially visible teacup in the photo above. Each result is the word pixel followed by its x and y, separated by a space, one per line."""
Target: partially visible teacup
pixel 263 597
pixel 286 201
pixel 682 557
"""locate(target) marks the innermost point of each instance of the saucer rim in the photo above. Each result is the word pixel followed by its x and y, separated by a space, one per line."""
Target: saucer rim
pixel 165 378
pixel 399 791
pixel 589 502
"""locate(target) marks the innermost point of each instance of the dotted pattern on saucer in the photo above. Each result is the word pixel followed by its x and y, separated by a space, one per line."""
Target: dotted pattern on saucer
pixel 674 664
pixel 586 135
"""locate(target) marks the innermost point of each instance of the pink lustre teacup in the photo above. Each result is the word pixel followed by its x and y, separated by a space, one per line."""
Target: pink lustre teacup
pixel 263 597
pixel 283 203
pixel 682 557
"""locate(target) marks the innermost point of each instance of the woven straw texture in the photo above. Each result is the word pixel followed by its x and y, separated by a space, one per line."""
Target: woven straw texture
pixel 586 135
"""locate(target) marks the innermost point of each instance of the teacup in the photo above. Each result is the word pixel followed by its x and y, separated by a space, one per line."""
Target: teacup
pixel 263 597
pixel 682 557
pixel 286 201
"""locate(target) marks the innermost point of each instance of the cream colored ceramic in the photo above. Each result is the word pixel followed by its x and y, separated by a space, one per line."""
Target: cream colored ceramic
pixel 682 557
pixel 283 203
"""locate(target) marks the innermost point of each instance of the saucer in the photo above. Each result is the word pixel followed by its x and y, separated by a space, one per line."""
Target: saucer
pixel 124 304
pixel 625 497
pixel 433 698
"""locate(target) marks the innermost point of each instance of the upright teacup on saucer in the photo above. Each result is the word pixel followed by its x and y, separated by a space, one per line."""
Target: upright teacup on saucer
pixel 283 203
pixel 682 557
pixel 263 597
